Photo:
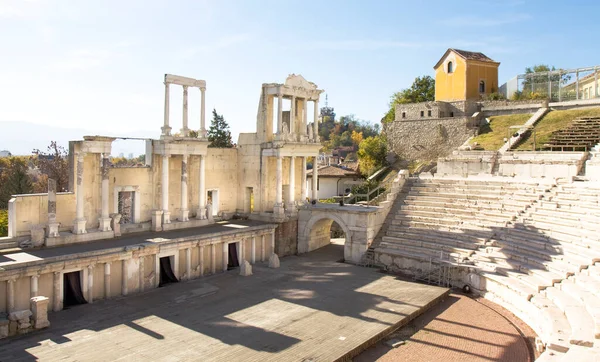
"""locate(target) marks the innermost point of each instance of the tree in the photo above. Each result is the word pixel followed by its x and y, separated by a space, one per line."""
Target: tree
pixel 219 134
pixel 54 163
pixel 357 137
pixel 14 180
pixel 422 90
pixel 371 154
pixel 536 86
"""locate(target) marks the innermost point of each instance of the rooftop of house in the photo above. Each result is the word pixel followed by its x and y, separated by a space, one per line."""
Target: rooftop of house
pixel 335 171
pixel 467 55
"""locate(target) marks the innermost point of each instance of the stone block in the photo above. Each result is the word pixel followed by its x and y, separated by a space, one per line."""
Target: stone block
pixel 4 328
pixel 157 220
pixel 20 314
pixel 245 269
pixel 12 328
pixel 115 223
pixel 39 308
pixel 37 236
pixel 273 261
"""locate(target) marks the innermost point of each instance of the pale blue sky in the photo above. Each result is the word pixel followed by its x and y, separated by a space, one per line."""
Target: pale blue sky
pixel 98 65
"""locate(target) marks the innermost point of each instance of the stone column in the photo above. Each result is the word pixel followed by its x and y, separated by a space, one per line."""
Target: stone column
pixel 202 113
pixel 184 191
pixel 213 258
pixel 79 223
pixel 292 189
pixel 57 295
pixel 201 191
pixel 34 286
pixel 242 251
pixel 166 129
pixel 273 243
pixel 262 248
pixel 225 255
pixel 124 271
pixel 165 190
pixel 253 255
pixel 316 121
pixel 90 291
pixel 201 260
pixel 185 130
pixel 104 216
pixel 279 113
pixel 305 115
pixel 293 116
pixel 10 295
pixel 279 187
pixel 188 263
pixel 107 280
pixel 141 272
pixel 315 182
pixel 52 223
pixel 304 189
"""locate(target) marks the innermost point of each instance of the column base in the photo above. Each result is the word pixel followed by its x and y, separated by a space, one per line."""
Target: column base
pixel 104 224
pixel 79 226
pixel 185 215
pixel 201 213
pixel 53 229
pixel 157 220
pixel 166 130
pixel 166 217
pixel 291 208
pixel 278 209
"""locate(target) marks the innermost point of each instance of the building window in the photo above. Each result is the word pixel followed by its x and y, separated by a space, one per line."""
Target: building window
pixel 482 86
pixel 429 113
pixel 451 114
pixel 450 67
pixel 403 114
pixel 422 113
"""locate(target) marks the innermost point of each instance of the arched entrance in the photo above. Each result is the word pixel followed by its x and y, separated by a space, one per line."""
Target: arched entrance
pixel 321 230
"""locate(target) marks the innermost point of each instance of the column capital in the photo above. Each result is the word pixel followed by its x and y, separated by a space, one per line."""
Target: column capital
pixel 185 88
pixel 166 84
pixel 202 89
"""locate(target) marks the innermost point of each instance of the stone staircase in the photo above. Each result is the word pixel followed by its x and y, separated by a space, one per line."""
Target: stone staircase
pixel 582 134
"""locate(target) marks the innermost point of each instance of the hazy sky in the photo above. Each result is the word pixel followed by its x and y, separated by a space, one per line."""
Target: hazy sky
pixel 99 65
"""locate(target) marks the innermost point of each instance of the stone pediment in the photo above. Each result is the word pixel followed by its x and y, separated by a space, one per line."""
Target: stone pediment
pixel 298 81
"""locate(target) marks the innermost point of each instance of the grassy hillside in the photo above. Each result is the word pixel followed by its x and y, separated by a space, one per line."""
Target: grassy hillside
pixel 491 137
pixel 553 121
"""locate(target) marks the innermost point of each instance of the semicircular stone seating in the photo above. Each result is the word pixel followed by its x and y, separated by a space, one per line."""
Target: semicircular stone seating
pixel 529 246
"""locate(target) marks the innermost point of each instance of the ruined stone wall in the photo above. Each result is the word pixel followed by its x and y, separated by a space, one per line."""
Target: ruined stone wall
pixel 427 139
pixel 286 238
pixel 431 110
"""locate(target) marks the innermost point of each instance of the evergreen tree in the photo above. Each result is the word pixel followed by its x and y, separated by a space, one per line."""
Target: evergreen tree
pixel 219 134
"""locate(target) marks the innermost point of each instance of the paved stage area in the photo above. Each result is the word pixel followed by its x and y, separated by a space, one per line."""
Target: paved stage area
pixel 311 309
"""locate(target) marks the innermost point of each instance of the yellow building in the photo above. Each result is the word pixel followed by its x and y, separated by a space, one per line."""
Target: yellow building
pixel 463 75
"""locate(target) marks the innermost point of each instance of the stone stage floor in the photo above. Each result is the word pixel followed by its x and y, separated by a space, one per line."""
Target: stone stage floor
pixel 311 309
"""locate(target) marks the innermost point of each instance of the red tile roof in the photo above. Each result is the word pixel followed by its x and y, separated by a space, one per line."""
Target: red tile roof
pixel 334 171
pixel 466 55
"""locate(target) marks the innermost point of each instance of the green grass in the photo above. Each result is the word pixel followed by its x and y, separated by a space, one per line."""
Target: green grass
pixel 553 121
pixel 491 136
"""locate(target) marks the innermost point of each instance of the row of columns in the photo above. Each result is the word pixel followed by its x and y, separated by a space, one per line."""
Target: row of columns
pixel 293 113
pixel 185 130
pixel 201 214
pixel 292 184
pixel 79 225
pixel 241 252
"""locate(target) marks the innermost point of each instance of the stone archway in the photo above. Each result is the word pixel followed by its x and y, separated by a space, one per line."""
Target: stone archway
pixel 316 233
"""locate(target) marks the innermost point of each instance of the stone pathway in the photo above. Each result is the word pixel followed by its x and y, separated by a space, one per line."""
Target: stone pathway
pixel 311 309
pixel 458 329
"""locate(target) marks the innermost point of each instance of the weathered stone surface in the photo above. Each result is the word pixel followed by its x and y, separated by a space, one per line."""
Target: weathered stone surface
pixel 18 315
pixel 286 238
pixel 245 268
pixel 39 308
pixel 38 235
pixel 115 223
pixel 273 261
pixel 4 328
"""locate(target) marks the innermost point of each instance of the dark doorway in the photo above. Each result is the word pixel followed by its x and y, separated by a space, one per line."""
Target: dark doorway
pixel 166 272
pixel 72 293
pixel 232 261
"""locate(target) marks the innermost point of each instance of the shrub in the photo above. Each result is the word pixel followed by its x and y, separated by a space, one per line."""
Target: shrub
pixel 3 223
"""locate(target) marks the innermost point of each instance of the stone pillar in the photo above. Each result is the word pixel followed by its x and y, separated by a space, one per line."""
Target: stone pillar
pixel 188 263
pixel 315 178
pixel 165 190
pixel 56 294
pixel 104 215
pixel 107 280
pixel 184 191
pixel 278 209
pixel 79 223
pixel 293 117
pixel 39 310
pixel 273 243
pixel 213 258
pixel 253 254
pixel 316 121
pixel 10 295
pixel 166 129
pixel 90 290
pixel 201 260
pixel 141 272
pixel 241 251
pixel 52 223
pixel 303 188
pixel 185 130
pixel 201 191
pixel 202 114
pixel 279 113
pixel 34 286
pixel 124 271
pixel 305 115
pixel 225 255
pixel 262 248
pixel 292 188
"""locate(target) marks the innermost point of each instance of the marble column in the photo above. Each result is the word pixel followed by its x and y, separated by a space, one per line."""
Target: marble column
pixel 124 279
pixel 305 115
pixel 104 215
pixel 315 178
pixel 279 113
pixel 272 243
pixel 241 251
pixel 185 130
pixel 278 209
pixel 165 190
pixel 166 129
pixel 253 255
pixel 141 272
pixel 292 184
pixel 52 223
pixel 56 293
pixel 316 121
pixel 188 263
pixel 34 286
pixel 304 189
pixel 107 280
pixel 262 248
pixel 79 223
pixel 184 189
pixel 202 114
pixel 201 191
pixel 225 255
pixel 201 260
pixel 293 116
pixel 213 258
pixel 10 295
pixel 90 286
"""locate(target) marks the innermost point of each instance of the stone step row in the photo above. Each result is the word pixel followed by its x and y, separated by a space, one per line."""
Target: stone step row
pixel 484 215
pixel 557 219
pixel 453 195
pixel 467 235
pixel 435 252
pixel 435 240
pixel 415 204
pixel 396 242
